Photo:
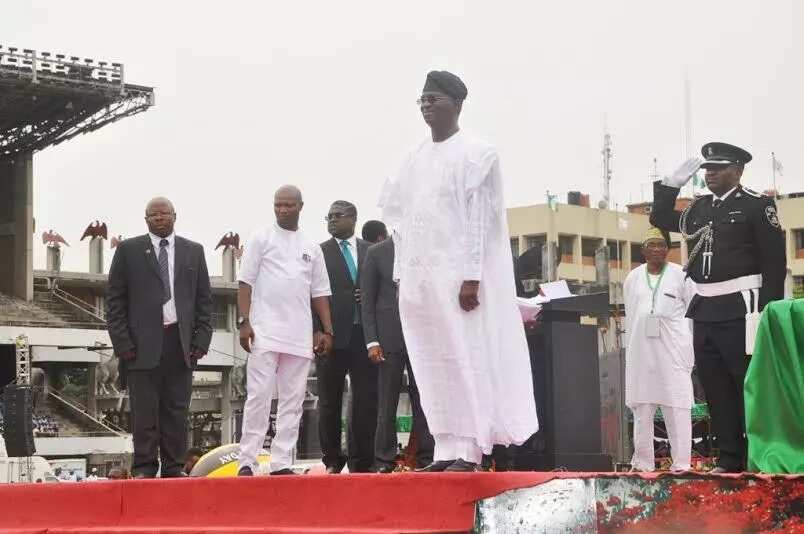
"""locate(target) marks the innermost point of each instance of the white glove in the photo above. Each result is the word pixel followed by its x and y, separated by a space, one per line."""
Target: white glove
pixel 682 175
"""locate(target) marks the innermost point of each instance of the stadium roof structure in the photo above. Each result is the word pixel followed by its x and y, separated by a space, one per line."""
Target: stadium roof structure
pixel 46 98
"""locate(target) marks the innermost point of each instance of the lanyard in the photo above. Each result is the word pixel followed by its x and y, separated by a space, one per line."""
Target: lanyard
pixel 655 288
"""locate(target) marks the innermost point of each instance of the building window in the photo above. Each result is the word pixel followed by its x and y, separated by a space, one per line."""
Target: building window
pixel 589 246
pixel 637 258
pixel 220 313
pixel 615 254
pixel 798 287
pixel 798 237
pixel 566 248
pixel 534 241
pixel 515 246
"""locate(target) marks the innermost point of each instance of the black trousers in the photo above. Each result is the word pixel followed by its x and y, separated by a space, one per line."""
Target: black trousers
pixel 389 383
pixel 159 400
pixel 721 363
pixel 331 372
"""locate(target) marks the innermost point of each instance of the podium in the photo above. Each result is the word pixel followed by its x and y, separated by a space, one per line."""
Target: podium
pixel 566 383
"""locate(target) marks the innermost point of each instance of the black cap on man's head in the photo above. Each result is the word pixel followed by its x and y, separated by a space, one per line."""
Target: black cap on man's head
pixel 441 81
pixel 724 154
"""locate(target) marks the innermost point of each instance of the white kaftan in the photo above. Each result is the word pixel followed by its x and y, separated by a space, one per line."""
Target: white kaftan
pixel 657 369
pixel 472 368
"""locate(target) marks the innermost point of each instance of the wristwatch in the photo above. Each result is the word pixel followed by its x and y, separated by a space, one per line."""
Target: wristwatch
pixel 241 321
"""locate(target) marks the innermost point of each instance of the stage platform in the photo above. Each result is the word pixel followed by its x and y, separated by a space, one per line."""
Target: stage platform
pixel 411 502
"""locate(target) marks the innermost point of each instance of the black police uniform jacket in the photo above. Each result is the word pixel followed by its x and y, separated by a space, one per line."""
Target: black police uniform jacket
pixel 748 239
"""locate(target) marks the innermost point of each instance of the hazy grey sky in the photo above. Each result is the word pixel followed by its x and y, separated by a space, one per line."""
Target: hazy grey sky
pixel 251 95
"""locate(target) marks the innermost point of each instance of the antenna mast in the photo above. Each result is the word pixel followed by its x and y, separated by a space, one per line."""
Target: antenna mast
pixel 606 152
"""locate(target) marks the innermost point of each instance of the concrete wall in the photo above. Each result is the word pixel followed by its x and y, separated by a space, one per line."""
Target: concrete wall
pixel 16 226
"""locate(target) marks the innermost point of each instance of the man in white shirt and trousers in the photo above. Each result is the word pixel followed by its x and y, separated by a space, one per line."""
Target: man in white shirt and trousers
pixel 659 355
pixel 457 299
pixel 281 272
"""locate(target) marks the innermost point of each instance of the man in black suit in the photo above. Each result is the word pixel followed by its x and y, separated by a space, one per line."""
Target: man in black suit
pixel 158 311
pixel 344 255
pixel 386 347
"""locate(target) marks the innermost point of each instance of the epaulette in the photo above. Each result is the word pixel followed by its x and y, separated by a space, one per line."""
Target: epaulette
pixel 752 192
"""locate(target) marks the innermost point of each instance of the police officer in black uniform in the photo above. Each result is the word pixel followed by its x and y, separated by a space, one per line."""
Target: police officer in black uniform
pixel 737 258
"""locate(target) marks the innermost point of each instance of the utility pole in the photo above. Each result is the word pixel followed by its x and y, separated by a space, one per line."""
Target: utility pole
pixel 687 136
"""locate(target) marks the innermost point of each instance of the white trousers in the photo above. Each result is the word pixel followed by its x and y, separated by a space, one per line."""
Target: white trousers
pixel 287 374
pixel 451 447
pixel 678 423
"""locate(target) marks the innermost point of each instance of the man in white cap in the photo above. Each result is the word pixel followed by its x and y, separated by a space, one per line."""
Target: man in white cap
pixel 659 355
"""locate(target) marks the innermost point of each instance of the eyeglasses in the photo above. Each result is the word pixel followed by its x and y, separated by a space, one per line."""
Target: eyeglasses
pixel 430 99
pixel 656 246
pixel 335 216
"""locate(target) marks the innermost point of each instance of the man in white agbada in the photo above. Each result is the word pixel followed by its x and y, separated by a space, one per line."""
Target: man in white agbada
pixel 457 299
pixel 282 271
pixel 659 354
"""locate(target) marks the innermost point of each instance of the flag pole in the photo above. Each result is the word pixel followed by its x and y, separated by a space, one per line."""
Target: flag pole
pixel 773 164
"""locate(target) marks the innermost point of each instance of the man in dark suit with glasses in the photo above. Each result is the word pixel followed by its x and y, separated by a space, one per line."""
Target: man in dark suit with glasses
pixel 344 254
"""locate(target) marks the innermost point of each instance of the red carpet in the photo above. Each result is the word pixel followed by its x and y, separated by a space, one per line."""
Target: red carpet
pixel 407 502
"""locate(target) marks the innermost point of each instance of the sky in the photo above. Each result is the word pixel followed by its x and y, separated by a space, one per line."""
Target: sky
pixel 253 95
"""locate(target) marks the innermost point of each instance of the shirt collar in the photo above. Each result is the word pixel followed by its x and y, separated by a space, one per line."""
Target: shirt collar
pixel 155 239
pixel 280 229
pixel 725 195
pixel 352 243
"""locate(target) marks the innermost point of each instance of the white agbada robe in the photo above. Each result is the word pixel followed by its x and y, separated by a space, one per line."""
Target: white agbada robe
pixel 472 368
pixel 657 370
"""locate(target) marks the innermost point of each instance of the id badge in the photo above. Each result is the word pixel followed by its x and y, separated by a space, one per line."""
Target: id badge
pixel 652 326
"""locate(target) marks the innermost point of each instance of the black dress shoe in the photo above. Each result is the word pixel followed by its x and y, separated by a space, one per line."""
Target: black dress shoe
pixel 436 467
pixel 143 475
pixel 285 471
pixel 385 469
pixel 334 469
pixel 245 471
pixel 461 466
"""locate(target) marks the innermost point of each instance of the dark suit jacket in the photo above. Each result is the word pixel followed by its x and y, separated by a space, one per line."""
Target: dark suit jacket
pixel 342 301
pixel 380 306
pixel 134 300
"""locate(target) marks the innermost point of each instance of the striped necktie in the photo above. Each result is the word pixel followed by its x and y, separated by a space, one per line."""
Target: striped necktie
pixel 164 270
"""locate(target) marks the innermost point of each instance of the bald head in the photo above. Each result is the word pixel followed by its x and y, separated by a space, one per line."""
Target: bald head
pixel 288 191
pixel 287 206
pixel 161 201
pixel 160 216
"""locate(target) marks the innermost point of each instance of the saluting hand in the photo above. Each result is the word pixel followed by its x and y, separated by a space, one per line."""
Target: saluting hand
pixel 683 173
